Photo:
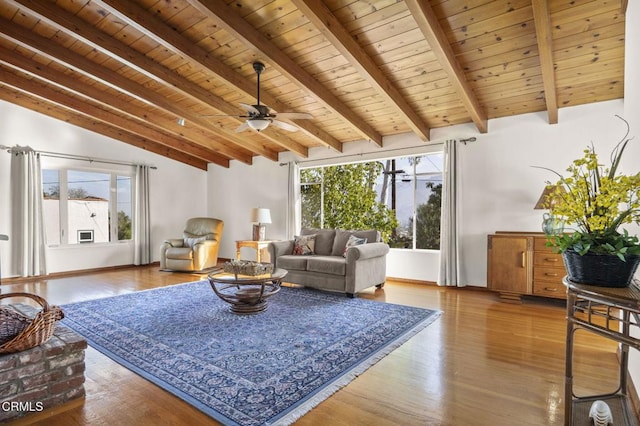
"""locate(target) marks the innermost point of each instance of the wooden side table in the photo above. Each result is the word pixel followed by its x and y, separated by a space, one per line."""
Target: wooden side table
pixel 259 246
pixel 611 313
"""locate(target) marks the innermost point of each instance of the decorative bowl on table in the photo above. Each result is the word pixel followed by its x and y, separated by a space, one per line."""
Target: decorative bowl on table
pixel 247 267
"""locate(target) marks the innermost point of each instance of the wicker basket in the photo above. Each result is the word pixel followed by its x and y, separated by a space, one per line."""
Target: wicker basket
pixel 600 269
pixel 19 332
pixel 246 267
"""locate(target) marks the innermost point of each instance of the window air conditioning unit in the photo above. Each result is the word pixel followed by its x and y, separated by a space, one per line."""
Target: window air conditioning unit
pixel 85 236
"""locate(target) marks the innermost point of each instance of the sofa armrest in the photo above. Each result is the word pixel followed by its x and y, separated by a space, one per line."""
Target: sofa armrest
pixel 280 248
pixel 174 242
pixel 367 251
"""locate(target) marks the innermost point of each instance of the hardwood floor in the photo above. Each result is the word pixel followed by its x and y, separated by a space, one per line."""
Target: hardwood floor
pixel 483 362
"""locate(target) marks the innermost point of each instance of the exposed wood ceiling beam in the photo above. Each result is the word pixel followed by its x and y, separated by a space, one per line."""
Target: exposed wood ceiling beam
pixel 78 28
pixel 45 47
pixel 437 40
pixel 241 29
pixel 541 17
pixel 150 25
pixel 28 101
pixel 323 19
pixel 109 102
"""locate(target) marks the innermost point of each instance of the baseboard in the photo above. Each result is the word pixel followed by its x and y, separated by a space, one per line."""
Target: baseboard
pixel 14 280
pixel 410 281
pixel 433 283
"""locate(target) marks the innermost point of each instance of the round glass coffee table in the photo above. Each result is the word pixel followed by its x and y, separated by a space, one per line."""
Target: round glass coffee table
pixel 246 294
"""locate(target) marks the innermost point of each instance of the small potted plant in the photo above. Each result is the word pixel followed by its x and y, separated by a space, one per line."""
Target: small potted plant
pixel 598 200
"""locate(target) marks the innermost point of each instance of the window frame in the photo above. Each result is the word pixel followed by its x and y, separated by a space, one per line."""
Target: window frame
pixel 414 179
pixel 63 168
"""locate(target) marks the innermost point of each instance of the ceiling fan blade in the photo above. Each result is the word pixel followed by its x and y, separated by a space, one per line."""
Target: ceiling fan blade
pixel 244 126
pixel 294 115
pixel 285 126
pixel 249 108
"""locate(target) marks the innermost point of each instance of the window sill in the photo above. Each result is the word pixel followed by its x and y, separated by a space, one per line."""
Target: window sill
pixel 87 245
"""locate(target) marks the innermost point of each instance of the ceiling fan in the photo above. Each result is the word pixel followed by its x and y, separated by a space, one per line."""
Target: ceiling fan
pixel 259 116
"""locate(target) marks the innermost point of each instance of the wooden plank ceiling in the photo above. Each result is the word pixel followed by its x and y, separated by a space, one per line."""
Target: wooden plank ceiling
pixel 168 75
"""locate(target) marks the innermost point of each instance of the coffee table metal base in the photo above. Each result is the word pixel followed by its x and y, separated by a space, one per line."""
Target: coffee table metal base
pixel 246 294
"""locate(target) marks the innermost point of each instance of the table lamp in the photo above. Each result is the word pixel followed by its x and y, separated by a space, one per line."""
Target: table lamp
pixel 551 195
pixel 261 216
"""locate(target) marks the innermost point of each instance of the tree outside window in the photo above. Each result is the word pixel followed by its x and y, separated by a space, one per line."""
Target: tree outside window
pixel 401 197
pixel 345 197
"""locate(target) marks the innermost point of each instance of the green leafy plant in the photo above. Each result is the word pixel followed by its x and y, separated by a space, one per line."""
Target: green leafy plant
pixel 347 197
pixel 598 200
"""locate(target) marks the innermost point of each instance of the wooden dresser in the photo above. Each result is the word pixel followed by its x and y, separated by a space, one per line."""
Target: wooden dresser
pixel 520 263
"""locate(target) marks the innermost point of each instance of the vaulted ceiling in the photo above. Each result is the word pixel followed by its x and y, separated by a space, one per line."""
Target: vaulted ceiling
pixel 168 76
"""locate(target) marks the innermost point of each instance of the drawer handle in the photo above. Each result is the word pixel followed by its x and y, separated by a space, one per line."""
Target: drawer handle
pixel 550 259
pixel 524 259
pixel 550 289
pixel 551 274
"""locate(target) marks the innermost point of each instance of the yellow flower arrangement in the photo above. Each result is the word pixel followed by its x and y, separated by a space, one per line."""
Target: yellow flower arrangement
pixel 598 200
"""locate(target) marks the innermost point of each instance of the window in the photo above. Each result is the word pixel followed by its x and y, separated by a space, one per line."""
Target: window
pixel 97 206
pixel 401 197
pixel 412 188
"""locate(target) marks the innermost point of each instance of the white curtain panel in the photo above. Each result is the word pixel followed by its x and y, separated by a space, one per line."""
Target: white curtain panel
pixel 27 224
pixel 294 215
pixel 142 234
pixel 449 244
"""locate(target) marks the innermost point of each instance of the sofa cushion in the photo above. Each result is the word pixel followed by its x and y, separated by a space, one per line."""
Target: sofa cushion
pixel 332 265
pixel 185 253
pixel 292 262
pixel 324 240
pixel 342 236
pixel 353 241
pixel 304 245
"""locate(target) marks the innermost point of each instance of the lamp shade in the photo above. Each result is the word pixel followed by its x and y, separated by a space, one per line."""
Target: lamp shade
pixel 551 195
pixel 258 124
pixel 261 215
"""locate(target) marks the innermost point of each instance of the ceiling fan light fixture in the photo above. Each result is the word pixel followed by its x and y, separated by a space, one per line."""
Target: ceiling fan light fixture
pixel 258 124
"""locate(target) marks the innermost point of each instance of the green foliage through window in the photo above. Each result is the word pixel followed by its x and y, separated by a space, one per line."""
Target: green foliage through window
pixel 399 197
pixel 345 197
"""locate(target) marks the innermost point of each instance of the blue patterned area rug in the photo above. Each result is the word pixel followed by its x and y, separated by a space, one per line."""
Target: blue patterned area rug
pixel 263 369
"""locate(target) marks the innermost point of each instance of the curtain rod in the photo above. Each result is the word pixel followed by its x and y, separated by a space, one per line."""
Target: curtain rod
pixel 78 157
pixel 464 141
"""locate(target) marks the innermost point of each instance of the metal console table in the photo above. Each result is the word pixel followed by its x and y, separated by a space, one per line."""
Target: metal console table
pixel 607 312
pixel 2 238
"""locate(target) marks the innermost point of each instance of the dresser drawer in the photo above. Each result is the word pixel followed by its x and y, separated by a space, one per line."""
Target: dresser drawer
pixel 553 260
pixel 540 244
pixel 549 289
pixel 549 274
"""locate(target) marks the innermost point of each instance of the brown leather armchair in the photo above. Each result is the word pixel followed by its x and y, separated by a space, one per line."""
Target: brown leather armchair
pixel 197 250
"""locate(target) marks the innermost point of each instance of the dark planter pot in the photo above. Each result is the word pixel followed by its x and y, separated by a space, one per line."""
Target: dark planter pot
pixel 601 270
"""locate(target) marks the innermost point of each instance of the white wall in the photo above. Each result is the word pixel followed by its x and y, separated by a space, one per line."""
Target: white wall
pixel 500 186
pixel 236 191
pixel 177 191
pixel 632 114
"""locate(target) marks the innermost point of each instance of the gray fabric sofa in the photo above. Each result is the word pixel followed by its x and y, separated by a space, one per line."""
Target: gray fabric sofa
pixel 363 266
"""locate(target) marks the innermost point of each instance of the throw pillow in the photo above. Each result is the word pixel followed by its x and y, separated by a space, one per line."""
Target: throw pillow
pixel 190 242
pixel 353 241
pixel 303 245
